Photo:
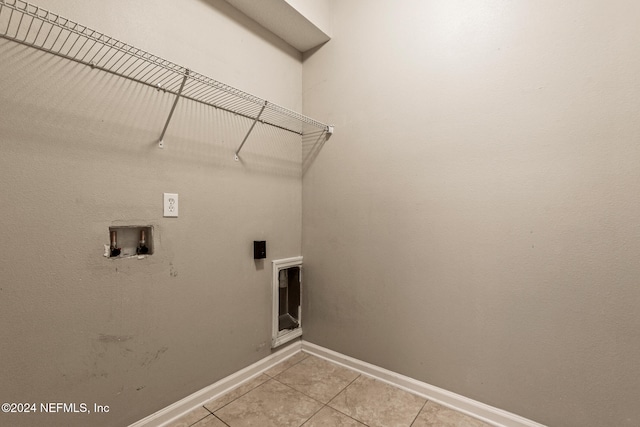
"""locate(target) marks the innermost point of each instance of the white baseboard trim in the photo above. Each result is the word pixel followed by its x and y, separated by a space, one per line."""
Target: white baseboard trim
pixel 225 385
pixel 481 411
pixel 489 414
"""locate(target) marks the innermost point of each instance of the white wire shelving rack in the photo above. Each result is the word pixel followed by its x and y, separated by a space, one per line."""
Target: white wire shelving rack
pixel 30 25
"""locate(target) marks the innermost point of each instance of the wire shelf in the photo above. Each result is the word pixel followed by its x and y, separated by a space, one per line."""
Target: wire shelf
pixel 41 29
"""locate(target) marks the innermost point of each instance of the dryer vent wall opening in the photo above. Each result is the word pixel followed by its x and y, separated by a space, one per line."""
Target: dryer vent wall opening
pixel 287 297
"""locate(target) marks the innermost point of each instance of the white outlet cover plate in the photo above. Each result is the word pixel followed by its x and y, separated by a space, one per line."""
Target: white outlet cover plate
pixel 170 205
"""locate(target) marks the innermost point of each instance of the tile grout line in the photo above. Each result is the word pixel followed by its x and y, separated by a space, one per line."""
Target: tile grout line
pixel 273 377
pixel 313 415
pixel 459 404
pixel 479 411
pixel 243 394
pixel 298 391
pixel 196 422
pixel 269 377
pixel 323 405
pixel 221 420
pixel 313 398
pixel 326 405
pixel 343 389
pixel 419 412
pixel 364 375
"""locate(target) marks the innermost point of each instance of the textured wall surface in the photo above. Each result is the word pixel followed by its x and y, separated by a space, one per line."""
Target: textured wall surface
pixel 78 153
pixel 474 222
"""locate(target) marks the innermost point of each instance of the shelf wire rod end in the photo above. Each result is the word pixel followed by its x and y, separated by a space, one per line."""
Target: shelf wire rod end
pixel 328 132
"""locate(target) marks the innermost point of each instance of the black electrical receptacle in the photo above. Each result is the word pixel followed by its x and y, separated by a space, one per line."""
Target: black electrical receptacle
pixel 259 249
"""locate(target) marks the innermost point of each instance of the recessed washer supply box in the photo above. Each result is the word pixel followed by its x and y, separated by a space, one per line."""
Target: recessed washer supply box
pixel 130 240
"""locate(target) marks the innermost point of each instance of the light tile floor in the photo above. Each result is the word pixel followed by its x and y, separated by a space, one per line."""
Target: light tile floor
pixel 307 391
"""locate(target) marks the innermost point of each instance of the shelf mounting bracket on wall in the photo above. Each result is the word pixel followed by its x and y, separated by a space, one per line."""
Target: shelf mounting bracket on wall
pixel 173 107
pixel 250 130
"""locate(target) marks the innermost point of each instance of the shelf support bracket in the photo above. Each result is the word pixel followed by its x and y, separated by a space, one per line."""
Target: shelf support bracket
pixel 250 129
pixel 173 107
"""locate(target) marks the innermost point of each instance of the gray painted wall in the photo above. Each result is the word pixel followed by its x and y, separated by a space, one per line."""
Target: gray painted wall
pixel 79 154
pixel 473 223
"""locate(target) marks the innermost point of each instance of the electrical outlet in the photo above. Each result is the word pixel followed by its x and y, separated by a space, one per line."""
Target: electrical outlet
pixel 171 205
